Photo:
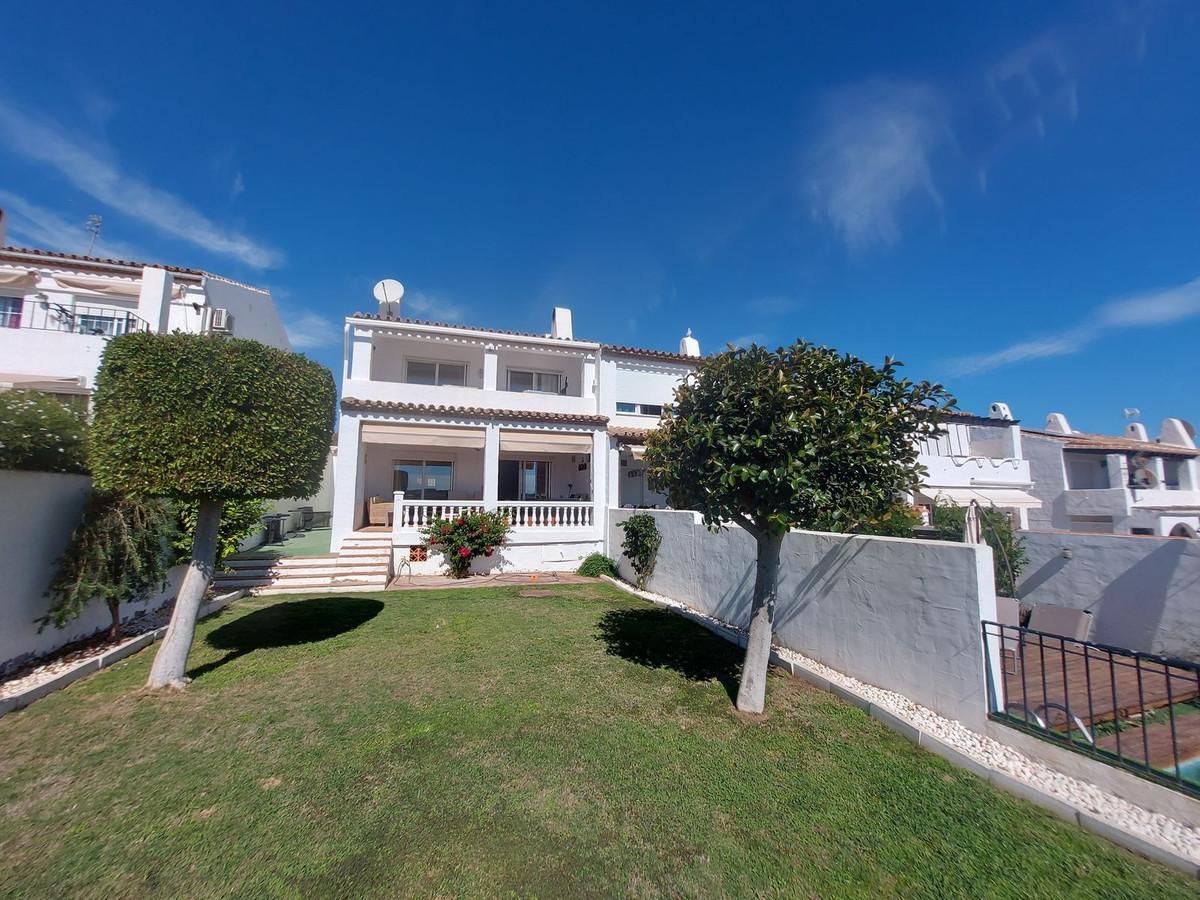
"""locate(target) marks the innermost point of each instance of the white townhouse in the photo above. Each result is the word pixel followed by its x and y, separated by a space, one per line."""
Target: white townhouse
pixel 439 418
pixel 1116 485
pixel 58 311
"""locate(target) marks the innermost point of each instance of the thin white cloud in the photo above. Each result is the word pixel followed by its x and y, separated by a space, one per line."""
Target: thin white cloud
pixel 101 178
pixel 311 331
pixel 424 305
pixel 238 187
pixel 1162 307
pixel 872 156
pixel 36 226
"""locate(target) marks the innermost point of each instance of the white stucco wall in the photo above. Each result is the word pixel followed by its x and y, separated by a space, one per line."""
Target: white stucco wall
pixel 1144 592
pixel 38 511
pixel 901 614
pixel 254 314
pixel 51 354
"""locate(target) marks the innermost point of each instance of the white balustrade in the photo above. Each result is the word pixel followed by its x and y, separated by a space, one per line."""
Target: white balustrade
pixel 559 514
pixel 549 513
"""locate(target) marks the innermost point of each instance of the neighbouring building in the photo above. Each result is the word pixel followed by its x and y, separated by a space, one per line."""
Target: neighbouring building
pixel 977 458
pixel 58 310
pixel 1115 485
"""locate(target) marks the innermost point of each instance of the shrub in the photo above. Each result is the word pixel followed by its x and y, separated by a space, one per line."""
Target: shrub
pixel 642 540
pixel 239 520
pixel 596 565
pixel 463 538
pixel 40 433
pixel 118 554
pixel 901 520
pixel 1008 550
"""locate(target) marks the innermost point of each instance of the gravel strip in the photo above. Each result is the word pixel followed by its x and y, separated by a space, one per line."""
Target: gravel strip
pixel 1153 827
pixel 49 667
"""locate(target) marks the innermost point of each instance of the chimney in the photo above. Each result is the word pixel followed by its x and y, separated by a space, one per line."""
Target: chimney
pixel 1000 411
pixel 688 345
pixel 1056 423
pixel 560 324
pixel 1137 431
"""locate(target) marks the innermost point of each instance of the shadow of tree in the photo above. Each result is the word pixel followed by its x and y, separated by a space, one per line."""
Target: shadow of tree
pixel 287 625
pixel 659 639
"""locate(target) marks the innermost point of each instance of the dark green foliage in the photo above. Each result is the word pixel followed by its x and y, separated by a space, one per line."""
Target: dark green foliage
pixel 900 520
pixel 40 433
pixel 465 537
pixel 239 520
pixel 118 554
pixel 801 436
pixel 1008 550
pixel 596 565
pixel 203 417
pixel 642 540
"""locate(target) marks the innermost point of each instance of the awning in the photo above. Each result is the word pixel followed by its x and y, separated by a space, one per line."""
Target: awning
pixel 100 285
pixel 1004 498
pixel 544 442
pixel 637 451
pixel 18 279
pixel 422 435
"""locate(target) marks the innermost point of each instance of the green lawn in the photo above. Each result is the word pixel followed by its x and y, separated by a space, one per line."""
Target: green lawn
pixel 481 742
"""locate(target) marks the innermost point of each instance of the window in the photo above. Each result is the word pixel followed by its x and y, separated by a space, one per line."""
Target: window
pixel 423 479
pixel 93 324
pixel 437 373
pixel 10 312
pixel 640 409
pixel 524 479
pixel 536 382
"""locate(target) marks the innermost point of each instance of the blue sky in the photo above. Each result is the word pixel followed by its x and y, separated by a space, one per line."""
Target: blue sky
pixel 1004 197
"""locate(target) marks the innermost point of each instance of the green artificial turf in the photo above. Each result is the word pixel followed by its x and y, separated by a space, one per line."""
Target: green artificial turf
pixel 575 742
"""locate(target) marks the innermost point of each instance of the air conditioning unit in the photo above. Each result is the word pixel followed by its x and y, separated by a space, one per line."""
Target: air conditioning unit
pixel 222 320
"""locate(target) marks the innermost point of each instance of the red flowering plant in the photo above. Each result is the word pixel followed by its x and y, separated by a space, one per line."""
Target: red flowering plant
pixel 462 538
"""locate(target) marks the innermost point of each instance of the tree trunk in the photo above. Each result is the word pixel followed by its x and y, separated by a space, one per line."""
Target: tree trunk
pixel 171 661
pixel 114 610
pixel 753 687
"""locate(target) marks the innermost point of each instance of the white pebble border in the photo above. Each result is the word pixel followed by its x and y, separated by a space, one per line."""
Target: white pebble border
pixel 1152 834
pixel 53 676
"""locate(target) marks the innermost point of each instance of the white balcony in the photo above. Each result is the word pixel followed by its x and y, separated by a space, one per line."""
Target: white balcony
pixel 456 395
pixel 532 521
pixel 975 471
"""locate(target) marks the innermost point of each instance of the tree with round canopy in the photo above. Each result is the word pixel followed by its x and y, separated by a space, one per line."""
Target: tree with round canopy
pixel 209 420
pixel 797 437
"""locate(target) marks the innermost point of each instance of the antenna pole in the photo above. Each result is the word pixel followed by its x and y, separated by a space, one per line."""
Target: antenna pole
pixel 94 224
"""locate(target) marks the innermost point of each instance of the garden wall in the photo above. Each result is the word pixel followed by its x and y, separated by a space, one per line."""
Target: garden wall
pixel 38 511
pixel 1143 592
pixel 900 614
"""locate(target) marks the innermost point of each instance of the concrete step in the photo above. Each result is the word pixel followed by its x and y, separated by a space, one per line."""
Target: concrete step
pixel 342 587
pixel 315 583
pixel 329 574
pixel 258 562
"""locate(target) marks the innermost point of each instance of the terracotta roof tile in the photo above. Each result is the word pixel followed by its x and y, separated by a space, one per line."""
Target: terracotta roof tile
pixel 650 354
pixel 10 256
pixel 1114 444
pixel 474 411
pixel 628 435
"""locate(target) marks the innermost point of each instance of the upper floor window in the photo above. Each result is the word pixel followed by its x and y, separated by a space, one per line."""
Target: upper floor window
pixel 10 312
pixel 93 324
pixel 437 373
pixel 537 382
pixel 640 409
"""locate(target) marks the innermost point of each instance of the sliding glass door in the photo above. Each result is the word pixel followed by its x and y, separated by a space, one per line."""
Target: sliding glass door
pixel 524 479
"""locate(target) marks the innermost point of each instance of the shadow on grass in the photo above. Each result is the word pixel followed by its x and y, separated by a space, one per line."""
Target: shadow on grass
pixel 288 625
pixel 658 639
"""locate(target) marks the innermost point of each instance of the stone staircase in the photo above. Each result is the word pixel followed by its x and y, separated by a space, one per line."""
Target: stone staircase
pixel 364 564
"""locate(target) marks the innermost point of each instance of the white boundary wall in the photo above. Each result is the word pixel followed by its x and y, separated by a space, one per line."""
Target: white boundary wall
pixel 38 511
pixel 1143 592
pixel 900 614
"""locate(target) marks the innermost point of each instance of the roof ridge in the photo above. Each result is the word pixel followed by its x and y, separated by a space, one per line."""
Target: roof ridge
pixel 97 261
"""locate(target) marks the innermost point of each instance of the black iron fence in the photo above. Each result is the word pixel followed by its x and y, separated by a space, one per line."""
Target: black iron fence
pixel 1135 710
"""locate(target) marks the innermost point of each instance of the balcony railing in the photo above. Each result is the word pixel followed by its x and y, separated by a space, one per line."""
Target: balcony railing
pixel 74 319
pixel 522 514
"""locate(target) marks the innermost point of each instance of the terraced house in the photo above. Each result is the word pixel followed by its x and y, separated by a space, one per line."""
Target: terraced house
pixel 439 418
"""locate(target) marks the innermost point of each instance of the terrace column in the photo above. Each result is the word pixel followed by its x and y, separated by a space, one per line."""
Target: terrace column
pixel 491 459
pixel 490 367
pixel 588 386
pixel 600 477
pixel 347 482
pixel 361 348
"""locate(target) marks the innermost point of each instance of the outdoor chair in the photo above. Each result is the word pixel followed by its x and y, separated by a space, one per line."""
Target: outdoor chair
pixel 1074 624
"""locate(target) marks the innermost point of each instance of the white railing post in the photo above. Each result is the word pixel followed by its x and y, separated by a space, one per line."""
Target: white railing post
pixel 397 515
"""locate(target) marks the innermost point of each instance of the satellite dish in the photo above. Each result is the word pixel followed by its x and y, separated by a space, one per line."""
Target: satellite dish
pixel 1144 478
pixel 388 292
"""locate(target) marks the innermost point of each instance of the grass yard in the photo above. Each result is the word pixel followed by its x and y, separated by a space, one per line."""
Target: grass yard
pixel 481 742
